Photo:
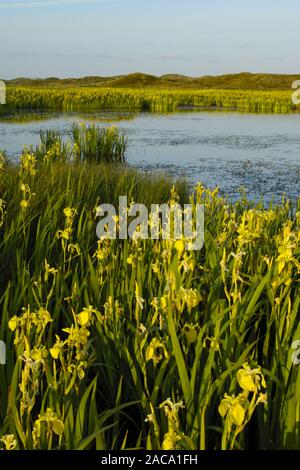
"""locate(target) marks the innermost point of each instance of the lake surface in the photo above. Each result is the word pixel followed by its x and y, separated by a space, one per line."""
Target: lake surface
pixel 260 152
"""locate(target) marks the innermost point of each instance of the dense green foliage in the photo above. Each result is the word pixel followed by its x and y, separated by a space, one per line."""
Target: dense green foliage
pixel 86 144
pixel 152 99
pixel 102 335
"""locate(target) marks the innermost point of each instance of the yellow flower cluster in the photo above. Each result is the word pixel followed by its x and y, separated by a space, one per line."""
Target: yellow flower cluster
pixel 28 164
pixel 65 235
pixel 29 330
pixel 26 196
pixel 52 423
pixel 174 435
pixel 182 298
pixel 69 357
pixel 9 441
pixel 286 246
pixel 238 410
pixel 72 353
pixel 252 225
pixel 156 351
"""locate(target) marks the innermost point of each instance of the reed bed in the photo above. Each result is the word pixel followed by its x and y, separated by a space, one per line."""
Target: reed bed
pixel 147 99
pixel 140 343
pixel 86 144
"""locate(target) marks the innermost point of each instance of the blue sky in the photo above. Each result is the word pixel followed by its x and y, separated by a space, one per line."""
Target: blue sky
pixel 109 37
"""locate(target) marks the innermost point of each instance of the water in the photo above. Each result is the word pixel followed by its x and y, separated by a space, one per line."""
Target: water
pixel 260 152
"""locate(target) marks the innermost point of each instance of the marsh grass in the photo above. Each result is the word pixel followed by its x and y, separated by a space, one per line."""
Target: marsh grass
pixel 148 99
pixel 98 145
pixel 86 144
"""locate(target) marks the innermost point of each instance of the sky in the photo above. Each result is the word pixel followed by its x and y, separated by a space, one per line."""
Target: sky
pixel 75 38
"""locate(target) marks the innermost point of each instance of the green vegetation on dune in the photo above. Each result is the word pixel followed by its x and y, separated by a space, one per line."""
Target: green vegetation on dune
pixel 239 81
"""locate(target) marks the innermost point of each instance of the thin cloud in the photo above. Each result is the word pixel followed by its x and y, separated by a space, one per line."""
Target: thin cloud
pixel 79 55
pixel 43 3
pixel 179 57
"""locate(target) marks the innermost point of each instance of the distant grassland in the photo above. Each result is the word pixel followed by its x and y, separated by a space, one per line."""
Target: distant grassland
pixel 68 98
pixel 238 81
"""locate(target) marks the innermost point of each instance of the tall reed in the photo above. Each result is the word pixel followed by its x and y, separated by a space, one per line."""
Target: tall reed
pixel 151 99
